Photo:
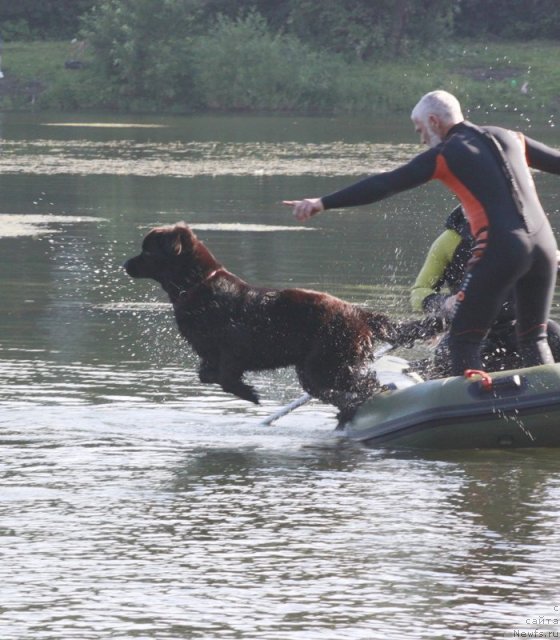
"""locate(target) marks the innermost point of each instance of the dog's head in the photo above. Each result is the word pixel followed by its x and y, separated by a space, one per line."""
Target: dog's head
pixel 171 254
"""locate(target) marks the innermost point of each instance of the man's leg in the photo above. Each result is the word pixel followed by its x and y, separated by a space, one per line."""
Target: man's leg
pixel 465 353
pixel 485 288
pixel 533 298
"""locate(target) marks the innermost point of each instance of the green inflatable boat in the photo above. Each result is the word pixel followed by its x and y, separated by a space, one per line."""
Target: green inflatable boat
pixel 518 408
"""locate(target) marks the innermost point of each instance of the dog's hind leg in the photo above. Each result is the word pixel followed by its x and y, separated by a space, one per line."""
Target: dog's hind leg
pixel 346 387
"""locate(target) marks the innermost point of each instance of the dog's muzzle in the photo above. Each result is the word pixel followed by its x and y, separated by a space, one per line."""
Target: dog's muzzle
pixel 131 267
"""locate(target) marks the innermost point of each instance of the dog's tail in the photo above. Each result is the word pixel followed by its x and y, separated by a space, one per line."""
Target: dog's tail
pixel 404 334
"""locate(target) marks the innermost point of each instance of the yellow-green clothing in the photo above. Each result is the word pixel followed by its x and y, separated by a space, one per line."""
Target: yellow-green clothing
pixel 431 276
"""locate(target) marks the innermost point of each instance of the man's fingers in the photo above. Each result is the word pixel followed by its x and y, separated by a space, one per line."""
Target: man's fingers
pixel 304 209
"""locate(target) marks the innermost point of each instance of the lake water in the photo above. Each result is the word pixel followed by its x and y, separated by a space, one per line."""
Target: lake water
pixel 137 503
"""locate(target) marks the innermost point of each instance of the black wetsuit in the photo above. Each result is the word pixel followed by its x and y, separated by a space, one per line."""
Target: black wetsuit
pixel 499 349
pixel 515 249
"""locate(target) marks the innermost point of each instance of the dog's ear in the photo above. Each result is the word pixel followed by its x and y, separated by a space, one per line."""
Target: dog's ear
pixel 181 239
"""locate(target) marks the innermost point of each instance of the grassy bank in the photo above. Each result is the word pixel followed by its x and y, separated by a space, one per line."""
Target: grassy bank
pixel 36 78
pixel 499 76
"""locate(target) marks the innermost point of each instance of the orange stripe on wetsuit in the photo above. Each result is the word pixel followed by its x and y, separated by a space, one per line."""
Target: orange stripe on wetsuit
pixel 474 211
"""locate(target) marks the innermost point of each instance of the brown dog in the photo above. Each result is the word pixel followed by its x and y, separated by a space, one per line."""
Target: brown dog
pixel 234 327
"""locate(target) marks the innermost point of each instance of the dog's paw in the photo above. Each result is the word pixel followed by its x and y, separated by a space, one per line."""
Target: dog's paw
pixel 344 416
pixel 249 393
pixel 243 391
pixel 254 398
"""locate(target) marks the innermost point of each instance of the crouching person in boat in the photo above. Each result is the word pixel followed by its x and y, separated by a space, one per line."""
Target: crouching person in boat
pixel 434 291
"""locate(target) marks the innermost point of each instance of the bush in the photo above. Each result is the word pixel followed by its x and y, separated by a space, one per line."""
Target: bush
pixel 16 30
pixel 242 65
pixel 143 48
pixel 371 29
pixel 41 19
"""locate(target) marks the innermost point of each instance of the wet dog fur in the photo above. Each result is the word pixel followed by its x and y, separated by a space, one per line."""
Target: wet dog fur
pixel 235 327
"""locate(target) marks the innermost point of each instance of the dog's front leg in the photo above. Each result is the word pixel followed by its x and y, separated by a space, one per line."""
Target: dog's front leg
pixel 231 381
pixel 240 389
pixel 208 372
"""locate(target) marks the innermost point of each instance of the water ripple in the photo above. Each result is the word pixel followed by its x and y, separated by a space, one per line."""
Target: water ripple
pixel 117 533
pixel 189 159
pixel 138 503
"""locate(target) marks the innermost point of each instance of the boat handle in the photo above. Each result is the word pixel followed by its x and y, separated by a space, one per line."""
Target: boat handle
pixel 486 381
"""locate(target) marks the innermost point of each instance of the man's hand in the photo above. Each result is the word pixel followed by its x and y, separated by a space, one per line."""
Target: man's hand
pixel 449 307
pixel 304 209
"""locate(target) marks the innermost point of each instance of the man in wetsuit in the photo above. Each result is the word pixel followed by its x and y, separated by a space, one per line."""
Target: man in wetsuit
pixel 514 248
pixel 434 290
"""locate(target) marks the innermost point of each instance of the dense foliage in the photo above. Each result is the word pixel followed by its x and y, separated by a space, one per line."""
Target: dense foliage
pixel 240 64
pixel 263 54
pixel 39 19
pixel 143 48
pixel 515 19
pixel 354 27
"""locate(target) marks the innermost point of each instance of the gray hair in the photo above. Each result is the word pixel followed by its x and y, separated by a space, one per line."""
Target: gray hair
pixel 439 103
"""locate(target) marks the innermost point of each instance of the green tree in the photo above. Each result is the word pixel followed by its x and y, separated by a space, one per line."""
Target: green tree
pixel 41 19
pixel 275 12
pixel 525 19
pixel 144 49
pixel 241 64
pixel 371 28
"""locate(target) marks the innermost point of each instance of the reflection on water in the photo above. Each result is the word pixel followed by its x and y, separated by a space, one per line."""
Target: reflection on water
pixel 104 125
pixel 186 160
pixel 34 225
pixel 162 523
pixel 132 382
pixel 138 503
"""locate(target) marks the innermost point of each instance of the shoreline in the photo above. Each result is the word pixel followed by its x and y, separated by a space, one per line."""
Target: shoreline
pixel 505 77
